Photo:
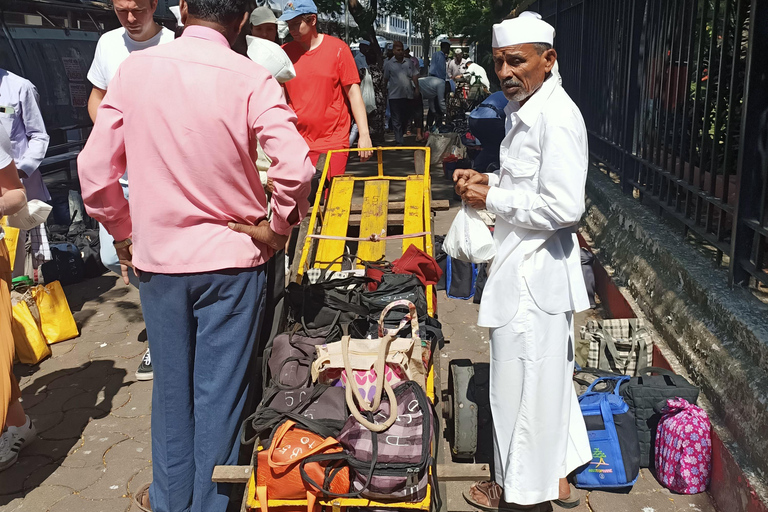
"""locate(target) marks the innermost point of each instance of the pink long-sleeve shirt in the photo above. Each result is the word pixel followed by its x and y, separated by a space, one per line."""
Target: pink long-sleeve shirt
pixel 183 119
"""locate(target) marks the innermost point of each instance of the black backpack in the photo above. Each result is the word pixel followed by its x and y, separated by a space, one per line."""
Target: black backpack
pixel 644 393
pixel 66 265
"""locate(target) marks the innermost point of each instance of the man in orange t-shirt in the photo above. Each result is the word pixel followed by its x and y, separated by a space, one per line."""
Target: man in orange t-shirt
pixel 326 88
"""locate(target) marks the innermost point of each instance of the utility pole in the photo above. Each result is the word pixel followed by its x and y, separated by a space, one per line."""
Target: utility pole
pixel 409 26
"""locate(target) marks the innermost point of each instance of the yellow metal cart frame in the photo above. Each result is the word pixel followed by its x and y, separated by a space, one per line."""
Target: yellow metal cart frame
pixel 333 220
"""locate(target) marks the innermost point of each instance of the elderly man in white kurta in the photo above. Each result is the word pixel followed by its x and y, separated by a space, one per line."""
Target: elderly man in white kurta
pixel 535 282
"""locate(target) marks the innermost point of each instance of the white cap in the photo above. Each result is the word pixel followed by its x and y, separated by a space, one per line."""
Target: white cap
pixel 272 57
pixel 526 28
pixel 176 10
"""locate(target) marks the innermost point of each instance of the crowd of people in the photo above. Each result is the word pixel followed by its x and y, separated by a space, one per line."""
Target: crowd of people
pixel 224 167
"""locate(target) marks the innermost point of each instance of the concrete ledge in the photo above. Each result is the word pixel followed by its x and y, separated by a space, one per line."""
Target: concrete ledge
pixel 718 334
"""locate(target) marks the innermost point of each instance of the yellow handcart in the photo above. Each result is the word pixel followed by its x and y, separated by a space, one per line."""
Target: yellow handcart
pixel 382 228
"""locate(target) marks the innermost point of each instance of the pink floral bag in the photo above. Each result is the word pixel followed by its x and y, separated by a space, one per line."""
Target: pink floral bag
pixel 683 448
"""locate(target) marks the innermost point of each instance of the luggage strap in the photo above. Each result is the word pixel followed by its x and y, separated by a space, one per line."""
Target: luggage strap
pixel 373 237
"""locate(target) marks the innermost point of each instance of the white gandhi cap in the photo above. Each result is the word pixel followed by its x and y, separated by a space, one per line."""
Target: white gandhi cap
pixel 526 28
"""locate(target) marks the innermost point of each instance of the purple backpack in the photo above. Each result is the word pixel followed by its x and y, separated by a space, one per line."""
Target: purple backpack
pixel 393 465
pixel 684 448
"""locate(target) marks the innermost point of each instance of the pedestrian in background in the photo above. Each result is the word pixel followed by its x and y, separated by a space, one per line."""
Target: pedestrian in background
pixel 417 103
pixel 432 87
pixel 457 66
pixel 401 79
pixel 374 61
pixel 22 120
pixel 264 24
pixel 326 82
pixel 137 31
pixel 196 231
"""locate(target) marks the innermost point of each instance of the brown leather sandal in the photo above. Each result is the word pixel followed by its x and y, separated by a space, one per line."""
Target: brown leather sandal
pixel 141 498
pixel 572 501
pixel 492 494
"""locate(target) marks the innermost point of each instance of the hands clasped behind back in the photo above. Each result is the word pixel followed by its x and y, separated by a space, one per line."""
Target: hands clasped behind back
pixel 261 232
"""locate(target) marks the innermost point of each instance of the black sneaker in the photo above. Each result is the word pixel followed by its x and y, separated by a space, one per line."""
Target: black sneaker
pixel 145 368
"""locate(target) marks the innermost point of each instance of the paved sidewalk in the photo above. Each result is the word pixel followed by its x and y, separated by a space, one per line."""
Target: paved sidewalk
pixel 92 416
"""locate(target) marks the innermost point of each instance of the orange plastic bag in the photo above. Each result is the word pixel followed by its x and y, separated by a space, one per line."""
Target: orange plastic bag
pixel 56 320
pixel 28 339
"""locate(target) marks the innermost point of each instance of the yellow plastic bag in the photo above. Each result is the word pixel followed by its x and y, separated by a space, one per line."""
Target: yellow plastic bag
pixel 11 239
pixel 27 337
pixel 56 320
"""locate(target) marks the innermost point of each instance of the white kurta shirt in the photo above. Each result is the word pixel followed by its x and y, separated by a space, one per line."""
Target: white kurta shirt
pixel 538 199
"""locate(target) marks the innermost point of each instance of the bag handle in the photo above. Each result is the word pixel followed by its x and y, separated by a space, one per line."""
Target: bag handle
pixel 412 314
pixel 619 381
pixel 607 341
pixel 655 369
pixel 381 383
pixel 353 257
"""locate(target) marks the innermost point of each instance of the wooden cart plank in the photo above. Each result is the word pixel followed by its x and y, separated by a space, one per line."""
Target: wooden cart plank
pixel 231 474
pixel 373 219
pixel 335 221
pixel 413 222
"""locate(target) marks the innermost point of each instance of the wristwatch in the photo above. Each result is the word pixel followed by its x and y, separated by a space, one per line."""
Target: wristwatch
pixel 122 244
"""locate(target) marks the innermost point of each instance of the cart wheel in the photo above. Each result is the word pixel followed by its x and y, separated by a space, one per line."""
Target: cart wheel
pixel 463 411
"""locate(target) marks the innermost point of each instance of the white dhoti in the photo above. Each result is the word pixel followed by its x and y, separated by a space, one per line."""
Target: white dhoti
pixel 539 433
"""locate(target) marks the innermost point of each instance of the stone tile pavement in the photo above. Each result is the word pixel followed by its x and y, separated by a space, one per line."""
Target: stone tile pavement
pixel 92 415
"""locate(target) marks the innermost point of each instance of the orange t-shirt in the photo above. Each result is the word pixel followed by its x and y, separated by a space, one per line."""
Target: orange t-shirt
pixel 317 92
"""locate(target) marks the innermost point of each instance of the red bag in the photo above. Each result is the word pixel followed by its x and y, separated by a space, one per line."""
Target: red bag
pixel 278 474
pixel 419 263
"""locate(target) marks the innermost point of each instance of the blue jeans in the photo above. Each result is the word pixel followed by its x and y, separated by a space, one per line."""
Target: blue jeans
pixel 202 330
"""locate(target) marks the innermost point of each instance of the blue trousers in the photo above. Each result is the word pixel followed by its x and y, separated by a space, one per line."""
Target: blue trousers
pixel 202 330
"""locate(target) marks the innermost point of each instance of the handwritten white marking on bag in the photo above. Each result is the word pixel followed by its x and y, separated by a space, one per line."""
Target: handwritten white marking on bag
pixel 395 441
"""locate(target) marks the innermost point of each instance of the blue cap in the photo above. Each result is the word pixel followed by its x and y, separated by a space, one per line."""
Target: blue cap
pixel 296 8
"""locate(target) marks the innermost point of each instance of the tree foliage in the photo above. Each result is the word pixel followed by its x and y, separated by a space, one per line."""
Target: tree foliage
pixel 473 20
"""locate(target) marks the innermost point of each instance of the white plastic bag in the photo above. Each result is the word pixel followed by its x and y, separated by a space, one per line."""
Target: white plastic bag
pixel 32 215
pixel 368 92
pixel 469 238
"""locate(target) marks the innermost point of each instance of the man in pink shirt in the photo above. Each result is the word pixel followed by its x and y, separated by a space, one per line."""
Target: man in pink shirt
pixel 183 119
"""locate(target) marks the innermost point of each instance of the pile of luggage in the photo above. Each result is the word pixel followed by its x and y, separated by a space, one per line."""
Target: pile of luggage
pixel 346 411
pixel 639 416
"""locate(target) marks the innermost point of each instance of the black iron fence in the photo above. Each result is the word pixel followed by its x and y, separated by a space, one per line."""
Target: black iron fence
pixel 675 97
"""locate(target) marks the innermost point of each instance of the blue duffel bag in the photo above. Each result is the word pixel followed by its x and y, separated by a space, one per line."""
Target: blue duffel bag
pixel 613 438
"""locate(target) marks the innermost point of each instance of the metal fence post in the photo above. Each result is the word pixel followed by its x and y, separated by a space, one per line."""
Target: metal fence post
pixel 632 97
pixel 753 161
